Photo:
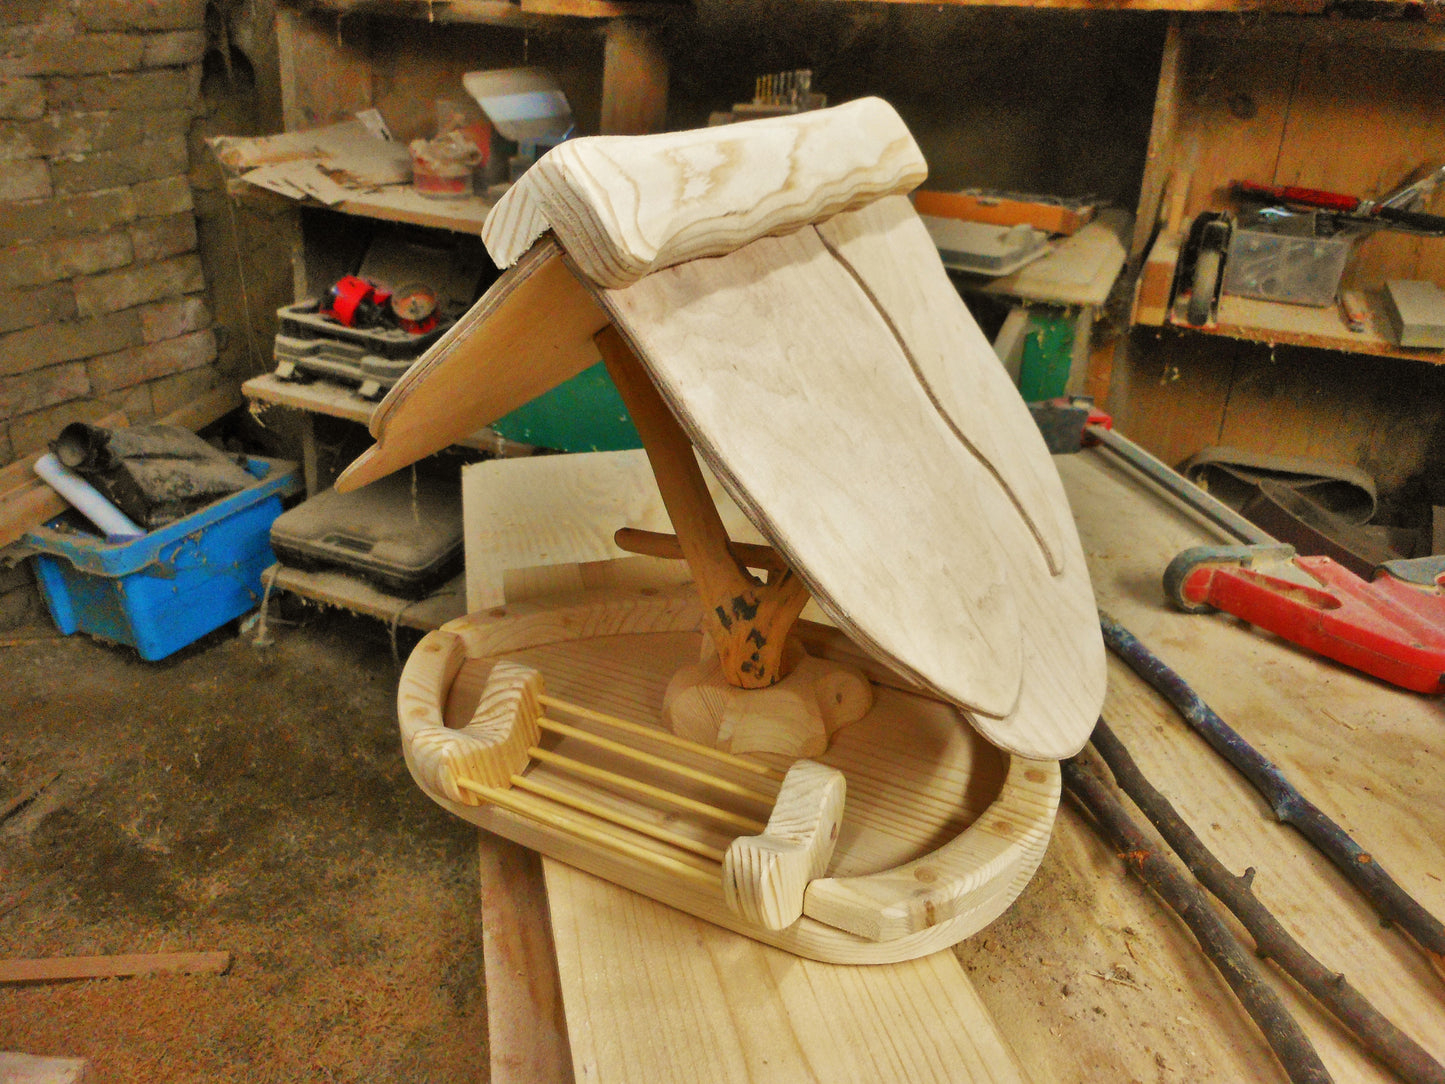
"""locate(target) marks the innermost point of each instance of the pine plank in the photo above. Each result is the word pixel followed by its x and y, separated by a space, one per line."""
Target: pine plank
pixel 62 968
pixel 526 1031
pixel 653 994
pixel 524 515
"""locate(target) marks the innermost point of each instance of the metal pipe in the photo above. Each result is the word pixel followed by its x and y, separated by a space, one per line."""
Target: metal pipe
pixel 1221 515
pixel 88 500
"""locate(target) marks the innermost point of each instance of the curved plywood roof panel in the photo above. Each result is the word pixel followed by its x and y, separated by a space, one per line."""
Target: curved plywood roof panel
pixel 789 307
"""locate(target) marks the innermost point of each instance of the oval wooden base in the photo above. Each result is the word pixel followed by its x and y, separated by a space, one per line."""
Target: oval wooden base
pixel 940 832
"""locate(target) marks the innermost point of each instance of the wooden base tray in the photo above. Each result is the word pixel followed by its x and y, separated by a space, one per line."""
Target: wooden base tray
pixel 939 832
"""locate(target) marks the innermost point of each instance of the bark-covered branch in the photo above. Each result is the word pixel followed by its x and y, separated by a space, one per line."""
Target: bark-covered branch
pixel 1373 1031
pixel 1382 891
pixel 1299 1059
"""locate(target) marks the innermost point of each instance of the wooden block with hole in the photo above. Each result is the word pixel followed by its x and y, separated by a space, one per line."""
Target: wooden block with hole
pixel 867 794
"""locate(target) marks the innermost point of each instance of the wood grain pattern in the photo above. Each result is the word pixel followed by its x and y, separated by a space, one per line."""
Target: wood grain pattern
pixel 504 352
pixel 624 207
pixel 775 361
pixel 917 775
pixel 721 373
pixel 791 719
pixel 748 619
pixel 526 1028
pixel 654 994
pixel 1111 978
pixel 524 515
pixel 886 246
pixel 951 880
pixel 491 748
pixel 764 876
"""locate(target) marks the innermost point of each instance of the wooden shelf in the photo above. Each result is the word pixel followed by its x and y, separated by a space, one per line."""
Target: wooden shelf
pixel 395 203
pixel 402 203
pixel 1080 270
pixel 1301 30
pixel 1294 7
pixel 1272 322
pixel 447 602
pixel 1304 325
pixel 335 401
pixel 521 13
pixel 525 13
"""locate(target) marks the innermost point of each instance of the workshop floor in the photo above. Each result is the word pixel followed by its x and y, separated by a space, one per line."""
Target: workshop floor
pixel 241 800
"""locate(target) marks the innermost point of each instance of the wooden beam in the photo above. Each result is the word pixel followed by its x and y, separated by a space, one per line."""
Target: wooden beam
pixel 634 80
pixel 1158 160
pixel 1302 6
pixel 526 1028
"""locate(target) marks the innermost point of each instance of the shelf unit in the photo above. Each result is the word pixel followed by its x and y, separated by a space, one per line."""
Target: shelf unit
pixel 1345 106
pixel 334 62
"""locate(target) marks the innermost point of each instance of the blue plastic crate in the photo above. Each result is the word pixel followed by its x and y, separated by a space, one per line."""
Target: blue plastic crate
pixel 170 587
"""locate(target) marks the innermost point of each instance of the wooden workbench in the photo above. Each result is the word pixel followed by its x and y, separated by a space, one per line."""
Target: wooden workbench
pixel 1086 977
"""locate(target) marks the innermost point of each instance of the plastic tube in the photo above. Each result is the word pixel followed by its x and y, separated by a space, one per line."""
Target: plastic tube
pixel 91 503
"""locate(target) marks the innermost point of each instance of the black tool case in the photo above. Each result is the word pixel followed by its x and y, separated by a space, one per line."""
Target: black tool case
pixel 402 533
pixel 311 343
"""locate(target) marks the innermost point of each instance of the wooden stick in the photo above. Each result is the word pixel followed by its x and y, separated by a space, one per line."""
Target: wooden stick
pixel 747 619
pixel 27 795
pixel 617 817
pixel 659 544
pixel 1392 902
pixel 662 736
pixel 1290 1046
pixel 62 968
pixel 680 801
pixel 539 810
pixel 1373 1031
pixel 716 782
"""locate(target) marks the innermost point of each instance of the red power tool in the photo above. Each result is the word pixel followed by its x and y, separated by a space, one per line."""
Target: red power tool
pixel 1392 627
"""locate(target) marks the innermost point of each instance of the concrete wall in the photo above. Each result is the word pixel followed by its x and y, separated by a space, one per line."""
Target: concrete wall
pixel 103 300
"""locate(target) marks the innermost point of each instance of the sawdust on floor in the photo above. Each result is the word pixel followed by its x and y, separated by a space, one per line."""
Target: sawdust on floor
pixel 243 800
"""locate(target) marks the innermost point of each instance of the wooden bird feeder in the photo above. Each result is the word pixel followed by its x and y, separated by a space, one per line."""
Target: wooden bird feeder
pixel 765 297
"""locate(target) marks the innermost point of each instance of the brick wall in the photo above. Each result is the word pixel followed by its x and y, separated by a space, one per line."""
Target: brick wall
pixel 102 295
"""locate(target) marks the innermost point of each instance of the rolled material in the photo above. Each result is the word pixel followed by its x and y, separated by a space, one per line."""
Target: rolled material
pixel 88 500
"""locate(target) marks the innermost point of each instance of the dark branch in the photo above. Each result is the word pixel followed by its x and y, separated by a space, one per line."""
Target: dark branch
pixel 1381 890
pixel 1290 1046
pixel 1373 1031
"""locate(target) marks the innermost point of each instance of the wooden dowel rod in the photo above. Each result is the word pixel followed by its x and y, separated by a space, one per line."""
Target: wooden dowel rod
pixel 666 546
pixel 679 801
pixel 538 810
pixel 663 736
pixel 716 782
pixel 618 817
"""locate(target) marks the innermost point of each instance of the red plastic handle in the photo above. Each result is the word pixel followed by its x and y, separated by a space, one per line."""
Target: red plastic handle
pixel 1310 197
